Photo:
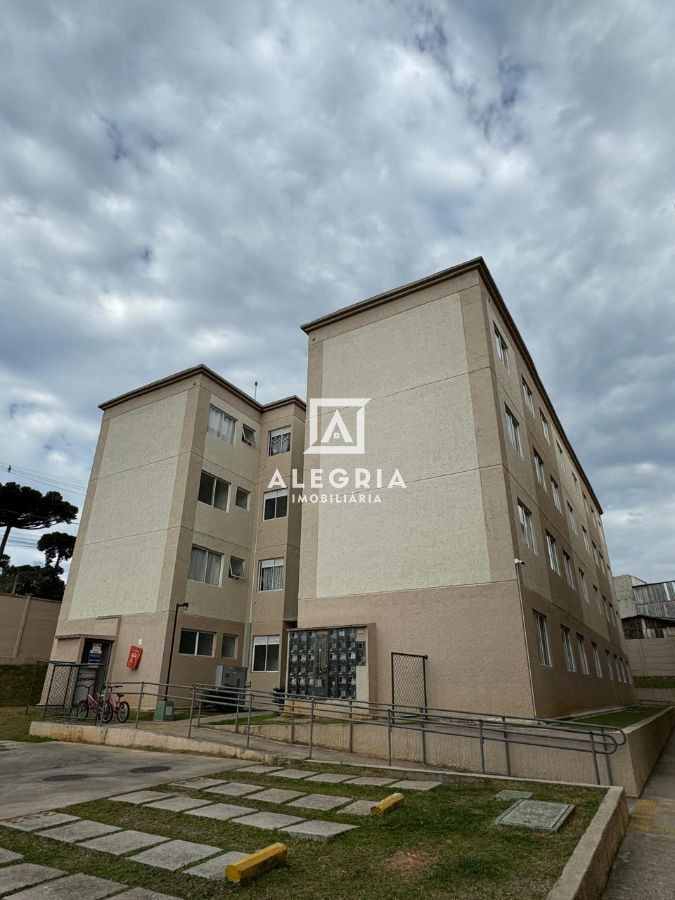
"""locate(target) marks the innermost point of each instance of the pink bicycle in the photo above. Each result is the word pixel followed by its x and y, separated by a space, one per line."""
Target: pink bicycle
pixel 113 705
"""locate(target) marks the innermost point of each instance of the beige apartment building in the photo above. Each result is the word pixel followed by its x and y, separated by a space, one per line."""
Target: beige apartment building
pixel 456 405
pixel 176 513
pixel 346 587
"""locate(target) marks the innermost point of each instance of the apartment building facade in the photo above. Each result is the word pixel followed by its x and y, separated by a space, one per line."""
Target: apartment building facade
pixel 455 404
pixel 176 513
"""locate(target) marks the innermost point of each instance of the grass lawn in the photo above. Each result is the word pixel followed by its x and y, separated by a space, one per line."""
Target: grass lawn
pixel 622 717
pixel 441 843
pixel 15 682
pixel 654 681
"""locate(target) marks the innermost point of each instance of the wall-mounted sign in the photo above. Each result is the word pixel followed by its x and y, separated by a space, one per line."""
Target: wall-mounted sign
pixel 95 653
pixel 134 657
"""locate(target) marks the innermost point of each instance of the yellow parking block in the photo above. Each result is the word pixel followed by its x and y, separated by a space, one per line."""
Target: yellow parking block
pixel 255 863
pixel 390 802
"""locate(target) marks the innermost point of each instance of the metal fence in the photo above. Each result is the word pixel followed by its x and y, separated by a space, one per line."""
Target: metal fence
pixel 57 687
pixel 409 681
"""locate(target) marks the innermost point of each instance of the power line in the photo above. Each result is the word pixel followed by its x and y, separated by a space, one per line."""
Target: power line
pixel 76 487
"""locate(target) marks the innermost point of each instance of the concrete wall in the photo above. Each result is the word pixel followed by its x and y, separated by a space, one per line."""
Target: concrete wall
pixel 28 626
pixel 652 656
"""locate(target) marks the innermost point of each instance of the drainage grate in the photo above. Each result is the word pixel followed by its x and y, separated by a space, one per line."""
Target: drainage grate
pixel 143 769
pixel 74 776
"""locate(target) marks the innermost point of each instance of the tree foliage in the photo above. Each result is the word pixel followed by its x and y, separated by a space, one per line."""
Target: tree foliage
pixel 56 546
pixel 24 507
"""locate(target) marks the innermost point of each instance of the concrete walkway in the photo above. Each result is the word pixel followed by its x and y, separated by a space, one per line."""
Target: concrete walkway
pixel 645 864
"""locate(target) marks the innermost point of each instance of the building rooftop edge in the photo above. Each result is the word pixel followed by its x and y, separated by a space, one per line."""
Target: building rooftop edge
pixel 202 369
pixel 478 264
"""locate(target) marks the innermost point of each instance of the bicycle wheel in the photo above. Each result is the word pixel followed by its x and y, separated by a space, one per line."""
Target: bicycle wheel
pixel 82 709
pixel 122 711
pixel 106 712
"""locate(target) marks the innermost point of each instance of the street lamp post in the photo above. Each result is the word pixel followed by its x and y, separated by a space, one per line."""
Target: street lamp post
pixel 173 641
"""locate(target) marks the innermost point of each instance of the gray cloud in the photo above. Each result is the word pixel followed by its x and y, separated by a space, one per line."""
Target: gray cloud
pixel 188 182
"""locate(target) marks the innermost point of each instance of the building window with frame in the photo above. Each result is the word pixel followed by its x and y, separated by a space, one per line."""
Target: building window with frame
pixel 228 646
pixel 598 598
pixel 581 653
pixel 275 504
pixel 542 638
pixel 583 587
pixel 205 566
pixel 617 669
pixel 539 469
pixel 502 348
pixel 513 430
pixel 213 491
pixel 241 498
pixel 570 516
pixel 544 427
pixel 552 552
pixel 271 575
pixel 585 536
pixel 528 396
pixel 279 441
pixel 567 566
pixel 596 659
pixel 556 494
pixel 561 457
pixel 568 651
pixel 221 424
pixel 266 653
pixel 237 568
pixel 576 483
pixel 195 643
pixel 248 435
pixel 525 521
pixel 608 657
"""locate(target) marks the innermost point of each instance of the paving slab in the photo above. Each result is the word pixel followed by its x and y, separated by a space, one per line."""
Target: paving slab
pixel 513 795
pixel 121 842
pixel 38 820
pixel 320 801
pixel 276 795
pixel 197 784
pixel 175 854
pixel 12 878
pixel 234 789
pixel 258 770
pixel 7 856
pixel 144 894
pixel 536 815
pixel 412 785
pixel 82 830
pixel 177 804
pixel 267 820
pixel 329 778
pixel 72 886
pixel 294 774
pixel 370 781
pixel 141 797
pixel 222 811
pixel 317 830
pixel 359 808
pixel 215 868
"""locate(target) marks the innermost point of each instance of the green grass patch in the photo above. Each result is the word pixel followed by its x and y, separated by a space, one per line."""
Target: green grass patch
pixel 14 725
pixel 439 844
pixel 15 682
pixel 620 718
pixel 654 681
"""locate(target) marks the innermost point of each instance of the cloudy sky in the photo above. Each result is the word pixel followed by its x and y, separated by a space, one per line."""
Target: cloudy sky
pixel 186 182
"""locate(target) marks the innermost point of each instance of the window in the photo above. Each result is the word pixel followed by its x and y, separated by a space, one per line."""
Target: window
pixel 582 585
pixel 248 435
pixel 617 669
pixel 552 553
pixel 568 652
pixel 573 521
pixel 598 599
pixel 502 347
pixel 556 494
pixel 544 427
pixel 271 575
pixel 222 425
pixel 585 499
pixel 561 457
pixel 581 652
pixel 279 441
pixel 525 520
pixel 213 491
pixel 539 468
pixel 567 566
pixel 241 498
pixel 513 430
pixel 236 567
pixel 605 605
pixel 602 561
pixel 275 504
pixel 205 565
pixel 542 638
pixel 196 643
pixel 585 534
pixel 576 483
pixel 608 657
pixel 529 399
pixel 596 659
pixel 266 653
pixel 595 554
pixel 228 648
